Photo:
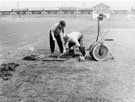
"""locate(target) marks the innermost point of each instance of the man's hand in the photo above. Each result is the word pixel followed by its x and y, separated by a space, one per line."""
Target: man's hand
pixel 54 39
pixel 64 34
pixel 64 50
pixel 52 33
pixel 73 47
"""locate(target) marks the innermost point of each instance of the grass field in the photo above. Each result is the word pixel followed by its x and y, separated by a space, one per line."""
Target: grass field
pixel 71 80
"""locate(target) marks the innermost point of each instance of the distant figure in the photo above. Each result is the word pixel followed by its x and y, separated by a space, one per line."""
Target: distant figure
pixel 55 35
pixel 75 39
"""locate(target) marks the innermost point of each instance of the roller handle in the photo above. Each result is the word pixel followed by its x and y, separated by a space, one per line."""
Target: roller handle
pixel 109 39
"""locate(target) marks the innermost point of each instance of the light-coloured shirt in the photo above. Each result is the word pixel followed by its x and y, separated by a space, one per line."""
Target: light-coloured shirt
pixel 74 37
pixel 54 26
pixel 57 29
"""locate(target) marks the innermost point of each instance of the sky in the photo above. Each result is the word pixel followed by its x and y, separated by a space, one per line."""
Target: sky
pixel 115 4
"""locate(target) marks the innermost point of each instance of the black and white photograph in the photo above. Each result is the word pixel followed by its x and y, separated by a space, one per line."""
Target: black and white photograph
pixel 67 50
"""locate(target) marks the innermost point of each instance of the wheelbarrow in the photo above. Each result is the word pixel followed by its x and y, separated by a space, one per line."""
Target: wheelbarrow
pixel 99 51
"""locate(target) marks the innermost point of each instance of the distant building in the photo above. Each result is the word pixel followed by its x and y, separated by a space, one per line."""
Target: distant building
pixel 35 10
pixel 85 10
pixel 68 10
pixel 51 10
pixel 133 10
pixel 120 11
pixel 19 11
pixel 5 11
pixel 101 9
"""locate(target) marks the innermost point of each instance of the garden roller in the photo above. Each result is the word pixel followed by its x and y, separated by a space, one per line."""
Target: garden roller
pixel 99 51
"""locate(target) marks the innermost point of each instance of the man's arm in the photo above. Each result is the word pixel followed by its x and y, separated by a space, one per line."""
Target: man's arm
pixel 63 31
pixel 65 42
pixel 77 44
pixel 53 29
pixel 52 33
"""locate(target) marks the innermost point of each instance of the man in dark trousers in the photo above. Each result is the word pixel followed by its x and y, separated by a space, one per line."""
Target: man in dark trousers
pixel 75 39
pixel 56 34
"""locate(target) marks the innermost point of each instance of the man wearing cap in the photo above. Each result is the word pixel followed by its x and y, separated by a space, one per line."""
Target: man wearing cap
pixel 75 39
pixel 55 35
